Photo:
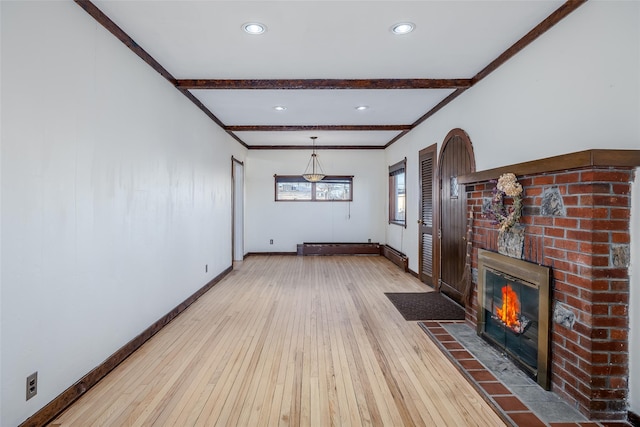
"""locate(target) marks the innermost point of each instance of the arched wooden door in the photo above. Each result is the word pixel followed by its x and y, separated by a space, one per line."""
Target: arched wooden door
pixel 456 159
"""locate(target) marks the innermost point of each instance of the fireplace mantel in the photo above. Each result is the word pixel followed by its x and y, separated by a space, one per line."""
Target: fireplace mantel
pixel 577 160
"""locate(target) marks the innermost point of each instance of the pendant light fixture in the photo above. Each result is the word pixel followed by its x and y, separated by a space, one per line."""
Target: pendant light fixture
pixel 316 174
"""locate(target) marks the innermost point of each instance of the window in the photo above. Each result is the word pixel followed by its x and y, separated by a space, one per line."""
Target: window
pixel 397 196
pixel 331 188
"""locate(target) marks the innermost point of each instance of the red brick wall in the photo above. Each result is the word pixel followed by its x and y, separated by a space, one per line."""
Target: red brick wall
pixel 589 361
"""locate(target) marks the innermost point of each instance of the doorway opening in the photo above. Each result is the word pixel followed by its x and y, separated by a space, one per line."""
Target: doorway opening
pixel 237 216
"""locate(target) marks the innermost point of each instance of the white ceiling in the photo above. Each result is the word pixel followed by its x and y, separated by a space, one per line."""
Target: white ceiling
pixel 324 40
pixel 320 107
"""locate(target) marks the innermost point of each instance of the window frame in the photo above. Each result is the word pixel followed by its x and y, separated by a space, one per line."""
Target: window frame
pixel 299 179
pixel 396 169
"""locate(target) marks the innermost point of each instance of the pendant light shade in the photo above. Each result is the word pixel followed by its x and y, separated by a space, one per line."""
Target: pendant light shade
pixel 313 172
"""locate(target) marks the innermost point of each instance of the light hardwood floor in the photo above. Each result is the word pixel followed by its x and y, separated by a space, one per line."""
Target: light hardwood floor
pixel 287 340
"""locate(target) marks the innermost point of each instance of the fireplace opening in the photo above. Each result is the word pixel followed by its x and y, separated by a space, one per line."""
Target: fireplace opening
pixel 511 320
pixel 514 315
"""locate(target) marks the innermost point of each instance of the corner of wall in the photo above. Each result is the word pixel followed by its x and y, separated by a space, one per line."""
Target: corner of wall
pixel 634 304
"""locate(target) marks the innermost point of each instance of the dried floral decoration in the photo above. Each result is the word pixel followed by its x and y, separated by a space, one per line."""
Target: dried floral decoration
pixel 506 217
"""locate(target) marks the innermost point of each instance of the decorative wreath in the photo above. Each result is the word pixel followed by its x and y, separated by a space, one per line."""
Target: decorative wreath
pixel 506 186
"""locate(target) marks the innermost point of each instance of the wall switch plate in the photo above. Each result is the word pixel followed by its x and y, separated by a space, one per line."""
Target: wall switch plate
pixel 32 385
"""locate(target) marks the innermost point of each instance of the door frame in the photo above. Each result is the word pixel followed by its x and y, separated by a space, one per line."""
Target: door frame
pixel 237 205
pixel 437 217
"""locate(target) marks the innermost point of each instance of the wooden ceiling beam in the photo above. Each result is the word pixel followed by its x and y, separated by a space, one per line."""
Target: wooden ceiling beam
pixel 293 128
pixel 294 84
pixel 318 147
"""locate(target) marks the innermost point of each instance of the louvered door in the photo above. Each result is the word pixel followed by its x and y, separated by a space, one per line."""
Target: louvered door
pixel 427 159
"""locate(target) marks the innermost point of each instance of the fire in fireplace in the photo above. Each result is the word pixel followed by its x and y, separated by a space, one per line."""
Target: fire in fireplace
pixel 514 316
pixel 508 314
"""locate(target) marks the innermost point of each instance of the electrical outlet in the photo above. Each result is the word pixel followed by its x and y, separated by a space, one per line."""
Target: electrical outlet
pixel 271 241
pixel 32 385
pixel 369 240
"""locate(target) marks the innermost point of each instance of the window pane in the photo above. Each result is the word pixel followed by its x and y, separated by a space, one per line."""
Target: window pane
pixel 294 191
pixel 397 197
pixel 400 197
pixel 338 190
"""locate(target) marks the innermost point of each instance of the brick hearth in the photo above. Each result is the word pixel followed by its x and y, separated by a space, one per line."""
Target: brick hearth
pixel 584 238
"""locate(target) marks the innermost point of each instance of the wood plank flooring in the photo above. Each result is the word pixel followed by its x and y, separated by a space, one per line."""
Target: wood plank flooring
pixel 289 341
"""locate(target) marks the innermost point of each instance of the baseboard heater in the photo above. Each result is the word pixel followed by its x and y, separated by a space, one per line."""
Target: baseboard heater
pixel 338 249
pixel 395 256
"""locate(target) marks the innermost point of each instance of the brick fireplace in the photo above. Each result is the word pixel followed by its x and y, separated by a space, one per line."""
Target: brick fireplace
pixel 576 218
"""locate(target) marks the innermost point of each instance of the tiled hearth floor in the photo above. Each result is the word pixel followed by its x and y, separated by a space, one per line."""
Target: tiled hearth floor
pixel 515 397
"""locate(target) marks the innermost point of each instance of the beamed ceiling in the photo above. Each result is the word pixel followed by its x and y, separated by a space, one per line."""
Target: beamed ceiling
pixel 322 59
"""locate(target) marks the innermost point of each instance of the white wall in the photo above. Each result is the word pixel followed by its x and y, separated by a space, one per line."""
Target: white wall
pixel 1 327
pixel 575 88
pixel 291 223
pixel 116 192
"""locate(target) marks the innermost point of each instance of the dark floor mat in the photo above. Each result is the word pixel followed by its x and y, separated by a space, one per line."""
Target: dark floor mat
pixel 426 306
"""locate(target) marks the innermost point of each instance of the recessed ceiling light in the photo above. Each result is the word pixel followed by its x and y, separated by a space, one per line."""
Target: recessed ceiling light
pixel 279 108
pixel 254 28
pixel 362 107
pixel 403 28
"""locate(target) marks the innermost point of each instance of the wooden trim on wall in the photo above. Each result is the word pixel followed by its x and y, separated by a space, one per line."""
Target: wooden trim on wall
pixel 73 393
pixel 580 159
